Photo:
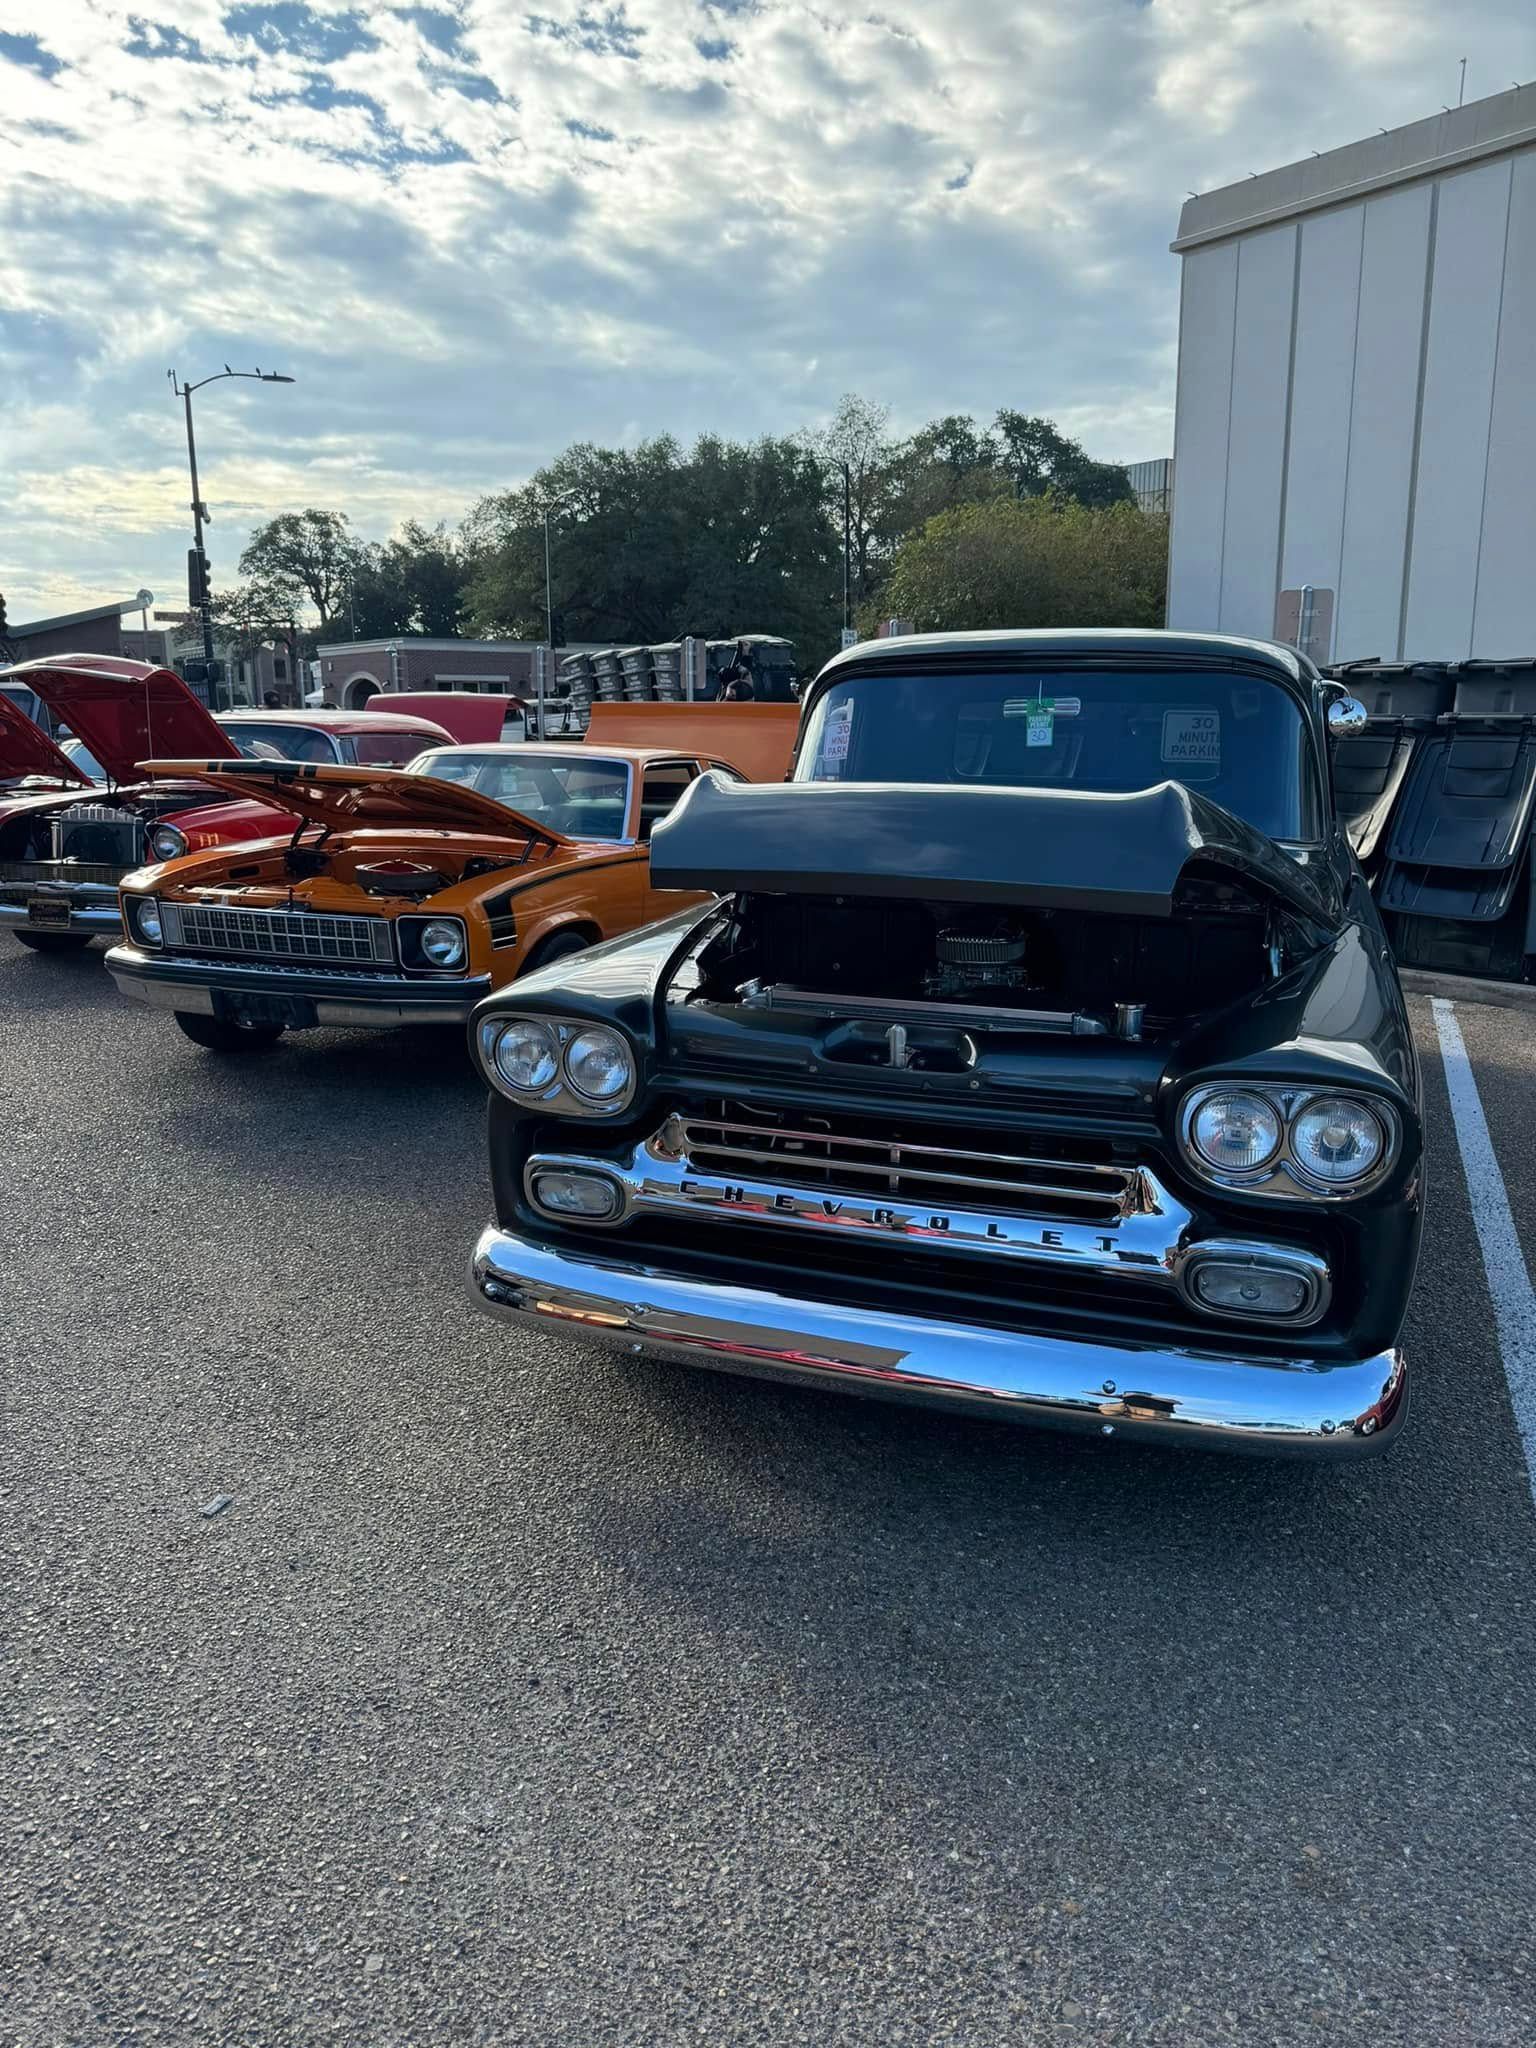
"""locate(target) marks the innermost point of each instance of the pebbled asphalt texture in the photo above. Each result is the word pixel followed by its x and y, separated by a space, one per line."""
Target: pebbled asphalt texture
pixel 371 1675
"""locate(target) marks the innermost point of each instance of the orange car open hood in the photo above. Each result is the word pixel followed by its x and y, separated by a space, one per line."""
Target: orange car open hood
pixel 342 798
pixel 124 710
pixel 25 749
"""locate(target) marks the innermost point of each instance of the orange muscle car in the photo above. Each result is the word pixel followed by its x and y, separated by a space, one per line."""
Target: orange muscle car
pixel 398 898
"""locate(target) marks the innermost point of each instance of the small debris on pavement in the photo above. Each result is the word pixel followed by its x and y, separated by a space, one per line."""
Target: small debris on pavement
pixel 216 1506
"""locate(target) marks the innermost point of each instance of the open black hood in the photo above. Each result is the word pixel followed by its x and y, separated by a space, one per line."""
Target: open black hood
pixel 1059 849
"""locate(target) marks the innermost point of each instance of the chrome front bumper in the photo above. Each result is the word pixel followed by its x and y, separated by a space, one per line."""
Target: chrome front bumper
pixel 1151 1393
pixel 93 907
pixel 181 982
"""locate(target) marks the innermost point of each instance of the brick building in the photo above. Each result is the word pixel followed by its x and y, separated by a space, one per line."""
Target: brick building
pixel 352 671
pixel 96 631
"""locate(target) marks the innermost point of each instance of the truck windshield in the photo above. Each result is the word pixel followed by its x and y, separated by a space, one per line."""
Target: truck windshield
pixel 1237 739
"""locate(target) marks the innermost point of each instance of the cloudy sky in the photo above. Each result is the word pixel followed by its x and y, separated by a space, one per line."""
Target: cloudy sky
pixel 477 230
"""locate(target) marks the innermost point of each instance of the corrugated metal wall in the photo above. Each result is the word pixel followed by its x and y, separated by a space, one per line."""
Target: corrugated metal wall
pixel 1357 410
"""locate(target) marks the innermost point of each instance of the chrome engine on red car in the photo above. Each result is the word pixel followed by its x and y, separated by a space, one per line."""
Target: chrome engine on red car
pixel 104 835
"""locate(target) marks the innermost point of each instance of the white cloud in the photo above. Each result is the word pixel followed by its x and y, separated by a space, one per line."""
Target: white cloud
pixel 476 232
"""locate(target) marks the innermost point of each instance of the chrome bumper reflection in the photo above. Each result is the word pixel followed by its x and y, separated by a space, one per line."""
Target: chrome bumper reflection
pixel 92 906
pixel 373 1000
pixel 1145 1392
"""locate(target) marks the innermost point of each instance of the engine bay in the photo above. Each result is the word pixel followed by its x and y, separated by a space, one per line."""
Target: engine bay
pixel 98 831
pixel 1090 974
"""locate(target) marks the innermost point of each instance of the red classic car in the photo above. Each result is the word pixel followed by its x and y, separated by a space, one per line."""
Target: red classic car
pixel 343 739
pixel 65 844
pixel 31 764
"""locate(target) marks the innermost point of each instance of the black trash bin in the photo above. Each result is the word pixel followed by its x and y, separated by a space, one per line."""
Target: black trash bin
pixel 1455 883
pixel 667 671
pixel 608 676
pixel 636 665
pixel 1402 700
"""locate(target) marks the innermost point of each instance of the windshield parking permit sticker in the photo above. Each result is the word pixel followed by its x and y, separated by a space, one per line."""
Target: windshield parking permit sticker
pixel 1192 739
pixel 1040 722
pixel 835 738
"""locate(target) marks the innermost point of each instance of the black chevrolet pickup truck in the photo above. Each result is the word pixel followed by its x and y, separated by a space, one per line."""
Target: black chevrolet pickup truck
pixel 1042 1054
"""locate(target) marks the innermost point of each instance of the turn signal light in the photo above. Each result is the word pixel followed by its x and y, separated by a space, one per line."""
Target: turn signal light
pixel 566 1192
pixel 1250 1290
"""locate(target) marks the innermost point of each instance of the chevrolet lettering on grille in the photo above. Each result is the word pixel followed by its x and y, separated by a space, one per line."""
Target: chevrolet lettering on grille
pixel 1132 1224
pixel 1126 1246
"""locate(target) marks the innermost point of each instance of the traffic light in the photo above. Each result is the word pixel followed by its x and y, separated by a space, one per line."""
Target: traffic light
pixel 197 578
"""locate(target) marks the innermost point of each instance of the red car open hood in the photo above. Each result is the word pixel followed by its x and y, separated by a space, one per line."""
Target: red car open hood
pixel 125 711
pixel 347 797
pixel 25 749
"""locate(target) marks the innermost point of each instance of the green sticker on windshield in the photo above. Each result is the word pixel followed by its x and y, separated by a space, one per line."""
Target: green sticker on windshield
pixel 1040 722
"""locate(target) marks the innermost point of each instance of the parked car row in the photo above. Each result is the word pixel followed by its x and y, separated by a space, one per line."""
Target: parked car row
pixel 78 813
pixel 1034 1048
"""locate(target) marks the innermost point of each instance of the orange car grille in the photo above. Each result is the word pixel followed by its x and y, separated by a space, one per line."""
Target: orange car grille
pixel 278 934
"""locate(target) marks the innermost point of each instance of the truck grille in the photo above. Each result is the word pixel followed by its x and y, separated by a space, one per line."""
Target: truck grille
pixel 842 1155
pixel 278 934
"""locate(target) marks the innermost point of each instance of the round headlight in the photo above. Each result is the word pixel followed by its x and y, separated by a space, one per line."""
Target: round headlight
pixel 146 919
pixel 526 1055
pixel 442 943
pixel 599 1064
pixel 167 842
pixel 1337 1141
pixel 1235 1132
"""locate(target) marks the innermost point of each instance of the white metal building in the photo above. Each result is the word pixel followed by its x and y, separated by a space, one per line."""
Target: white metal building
pixel 1356 428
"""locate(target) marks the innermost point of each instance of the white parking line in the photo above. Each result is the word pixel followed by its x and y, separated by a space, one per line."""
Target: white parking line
pixel 1509 1283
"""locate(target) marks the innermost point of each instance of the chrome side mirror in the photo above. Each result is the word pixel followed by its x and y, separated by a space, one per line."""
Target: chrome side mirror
pixel 1346 716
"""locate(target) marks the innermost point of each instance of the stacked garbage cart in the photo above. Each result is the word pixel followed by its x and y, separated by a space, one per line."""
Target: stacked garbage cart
pixel 1438 793
pixel 759 666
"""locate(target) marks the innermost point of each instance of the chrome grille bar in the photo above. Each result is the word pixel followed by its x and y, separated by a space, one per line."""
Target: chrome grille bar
pixel 278 934
pixel 830 1158
pixel 97 814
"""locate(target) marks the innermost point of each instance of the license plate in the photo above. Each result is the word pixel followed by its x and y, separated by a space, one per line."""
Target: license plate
pixel 294 1012
pixel 49 910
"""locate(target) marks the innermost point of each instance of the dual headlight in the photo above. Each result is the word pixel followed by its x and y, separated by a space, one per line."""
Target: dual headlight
pixel 1287 1141
pixel 568 1066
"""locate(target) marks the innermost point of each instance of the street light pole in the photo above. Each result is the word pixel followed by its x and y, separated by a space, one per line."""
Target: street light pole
pixel 202 601
pixel 847 540
pixel 549 602
pixel 550 505
pixel 197 529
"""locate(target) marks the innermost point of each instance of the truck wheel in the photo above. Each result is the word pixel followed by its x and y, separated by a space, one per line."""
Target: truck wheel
pixel 560 947
pixel 54 942
pixel 215 1034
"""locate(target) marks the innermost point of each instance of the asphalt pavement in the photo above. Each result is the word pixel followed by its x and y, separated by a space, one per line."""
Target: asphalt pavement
pixel 370 1674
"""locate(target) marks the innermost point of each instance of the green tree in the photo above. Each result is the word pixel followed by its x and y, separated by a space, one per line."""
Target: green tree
pixel 858 456
pixel 410 584
pixel 949 462
pixel 1039 458
pixel 305 558
pixel 652 542
pixel 1039 561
